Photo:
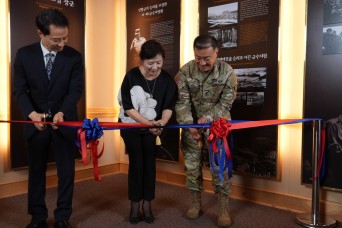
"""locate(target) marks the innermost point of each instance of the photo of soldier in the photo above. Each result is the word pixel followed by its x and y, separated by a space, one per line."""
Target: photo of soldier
pixel 136 47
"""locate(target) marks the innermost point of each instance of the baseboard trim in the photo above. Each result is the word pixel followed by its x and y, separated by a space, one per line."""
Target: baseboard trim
pixel 266 198
pixel 20 187
pixel 262 197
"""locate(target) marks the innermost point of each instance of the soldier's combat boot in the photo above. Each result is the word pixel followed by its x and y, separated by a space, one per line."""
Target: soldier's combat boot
pixel 196 205
pixel 224 219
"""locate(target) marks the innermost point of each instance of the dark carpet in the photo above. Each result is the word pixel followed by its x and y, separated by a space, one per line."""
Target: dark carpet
pixel 105 204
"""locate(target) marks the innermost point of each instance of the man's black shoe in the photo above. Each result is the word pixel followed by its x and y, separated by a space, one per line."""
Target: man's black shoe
pixel 62 224
pixel 41 224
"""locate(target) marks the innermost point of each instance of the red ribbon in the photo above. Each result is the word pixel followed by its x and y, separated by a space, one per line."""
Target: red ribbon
pixel 220 129
pixel 93 148
pixel 83 144
pixel 321 153
pixel 94 155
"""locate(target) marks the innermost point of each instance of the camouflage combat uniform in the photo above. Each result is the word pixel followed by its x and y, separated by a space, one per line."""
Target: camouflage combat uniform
pixel 210 96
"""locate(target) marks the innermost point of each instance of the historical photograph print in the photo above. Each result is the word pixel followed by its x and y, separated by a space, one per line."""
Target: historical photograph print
pixel 222 15
pixel 252 79
pixel 332 39
pixel 227 37
pixel 255 98
pixel 332 13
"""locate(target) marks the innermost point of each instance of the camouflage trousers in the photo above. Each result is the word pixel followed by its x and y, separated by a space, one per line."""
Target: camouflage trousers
pixel 196 155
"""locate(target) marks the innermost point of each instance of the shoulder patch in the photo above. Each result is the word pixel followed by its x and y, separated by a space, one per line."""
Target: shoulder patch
pixel 178 80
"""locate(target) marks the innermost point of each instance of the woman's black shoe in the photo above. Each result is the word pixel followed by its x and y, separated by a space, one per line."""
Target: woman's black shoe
pixel 134 220
pixel 147 212
pixel 148 219
pixel 134 213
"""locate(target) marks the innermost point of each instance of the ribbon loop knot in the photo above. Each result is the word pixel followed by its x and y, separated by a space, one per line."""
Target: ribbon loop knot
pixel 88 137
pixel 220 156
pixel 93 130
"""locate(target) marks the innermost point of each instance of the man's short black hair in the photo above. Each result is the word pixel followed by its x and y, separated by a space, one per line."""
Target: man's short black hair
pixel 48 17
pixel 205 41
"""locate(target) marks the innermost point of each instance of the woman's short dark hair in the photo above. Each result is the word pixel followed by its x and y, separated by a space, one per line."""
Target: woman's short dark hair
pixel 50 17
pixel 151 49
pixel 205 41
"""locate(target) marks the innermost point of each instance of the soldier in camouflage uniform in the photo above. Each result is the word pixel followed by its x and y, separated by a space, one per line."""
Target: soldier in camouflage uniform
pixel 207 88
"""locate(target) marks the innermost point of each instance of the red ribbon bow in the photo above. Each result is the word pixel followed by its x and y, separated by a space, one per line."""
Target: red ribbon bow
pixel 220 129
pixel 94 155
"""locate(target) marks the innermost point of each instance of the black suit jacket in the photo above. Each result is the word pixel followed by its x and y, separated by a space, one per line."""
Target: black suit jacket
pixel 34 92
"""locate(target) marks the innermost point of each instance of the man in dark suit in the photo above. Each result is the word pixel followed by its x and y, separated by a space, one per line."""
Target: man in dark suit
pixel 47 88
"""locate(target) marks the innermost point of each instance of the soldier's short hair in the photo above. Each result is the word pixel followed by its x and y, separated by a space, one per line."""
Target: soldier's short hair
pixel 205 41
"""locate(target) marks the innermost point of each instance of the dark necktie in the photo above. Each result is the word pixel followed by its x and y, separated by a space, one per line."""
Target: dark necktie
pixel 49 64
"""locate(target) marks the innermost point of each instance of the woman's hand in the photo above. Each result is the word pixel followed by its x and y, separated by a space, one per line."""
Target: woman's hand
pixel 160 122
pixel 157 131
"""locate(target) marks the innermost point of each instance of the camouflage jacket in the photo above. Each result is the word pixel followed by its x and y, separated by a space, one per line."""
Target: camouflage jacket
pixel 211 97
